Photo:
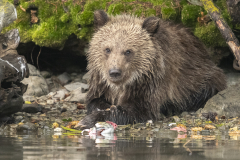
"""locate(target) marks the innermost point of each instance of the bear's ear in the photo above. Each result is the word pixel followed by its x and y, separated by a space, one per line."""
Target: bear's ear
pixel 151 24
pixel 100 18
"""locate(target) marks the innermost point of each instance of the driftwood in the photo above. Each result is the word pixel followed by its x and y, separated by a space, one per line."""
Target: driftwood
pixel 225 30
pixel 13 69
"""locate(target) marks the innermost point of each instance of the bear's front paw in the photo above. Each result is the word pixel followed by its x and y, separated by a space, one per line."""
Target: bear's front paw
pixel 90 120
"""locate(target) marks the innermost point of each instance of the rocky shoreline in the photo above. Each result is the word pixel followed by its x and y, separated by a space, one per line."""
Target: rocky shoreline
pixel 57 101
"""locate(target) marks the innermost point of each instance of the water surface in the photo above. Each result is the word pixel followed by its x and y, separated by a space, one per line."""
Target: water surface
pixel 167 145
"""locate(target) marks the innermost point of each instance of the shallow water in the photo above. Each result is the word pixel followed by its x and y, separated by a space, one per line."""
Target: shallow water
pixel 167 145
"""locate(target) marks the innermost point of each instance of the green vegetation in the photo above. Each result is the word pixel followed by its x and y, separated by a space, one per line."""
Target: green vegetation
pixel 58 19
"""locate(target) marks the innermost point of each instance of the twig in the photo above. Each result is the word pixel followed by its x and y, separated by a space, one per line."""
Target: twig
pixel 187 149
pixel 23 9
pixel 31 55
pixel 38 56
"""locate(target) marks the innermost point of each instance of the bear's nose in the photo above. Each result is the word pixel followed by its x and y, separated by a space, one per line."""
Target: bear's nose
pixel 115 73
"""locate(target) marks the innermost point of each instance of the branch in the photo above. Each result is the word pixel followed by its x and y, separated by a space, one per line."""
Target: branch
pixel 225 30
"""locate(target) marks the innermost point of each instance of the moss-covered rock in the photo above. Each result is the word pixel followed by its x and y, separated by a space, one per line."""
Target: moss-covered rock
pixel 58 19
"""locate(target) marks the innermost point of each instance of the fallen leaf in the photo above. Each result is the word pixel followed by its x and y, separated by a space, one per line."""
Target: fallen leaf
pixel 28 102
pixel 195 129
pixel 55 125
pixel 182 125
pixel 208 126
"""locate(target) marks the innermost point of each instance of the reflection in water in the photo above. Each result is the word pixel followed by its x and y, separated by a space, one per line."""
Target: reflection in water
pixel 117 147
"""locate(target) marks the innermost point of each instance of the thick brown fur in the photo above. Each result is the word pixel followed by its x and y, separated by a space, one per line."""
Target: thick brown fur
pixel 168 69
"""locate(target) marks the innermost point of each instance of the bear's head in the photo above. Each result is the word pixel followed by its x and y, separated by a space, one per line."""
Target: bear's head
pixel 122 48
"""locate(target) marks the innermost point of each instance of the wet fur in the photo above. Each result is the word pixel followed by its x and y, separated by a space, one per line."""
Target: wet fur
pixel 171 71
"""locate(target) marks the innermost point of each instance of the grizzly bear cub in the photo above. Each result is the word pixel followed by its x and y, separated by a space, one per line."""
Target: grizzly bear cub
pixel 140 69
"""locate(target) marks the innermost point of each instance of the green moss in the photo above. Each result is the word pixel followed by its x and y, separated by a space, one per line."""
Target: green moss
pixel 210 35
pixel 150 12
pixel 64 18
pixel 169 13
pixel 58 20
pixel 222 5
pixel 190 13
pixel 86 18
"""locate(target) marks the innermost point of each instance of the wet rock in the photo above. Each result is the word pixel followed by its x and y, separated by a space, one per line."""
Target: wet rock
pixel 73 86
pixel 50 101
pixel 54 113
pixel 64 78
pixel 176 118
pixel 69 106
pixel 18 119
pixel 37 85
pixel 31 108
pixel 45 74
pixel 13 69
pixel 85 77
pixel 225 103
pixel 76 96
pixel 26 126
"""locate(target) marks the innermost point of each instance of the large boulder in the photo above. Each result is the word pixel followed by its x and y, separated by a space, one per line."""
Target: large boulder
pixel 13 69
pixel 225 103
pixel 37 85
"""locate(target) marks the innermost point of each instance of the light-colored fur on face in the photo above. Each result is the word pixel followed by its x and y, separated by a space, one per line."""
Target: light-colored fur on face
pixel 123 33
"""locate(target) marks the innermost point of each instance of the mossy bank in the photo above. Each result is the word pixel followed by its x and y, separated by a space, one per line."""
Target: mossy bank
pixel 58 19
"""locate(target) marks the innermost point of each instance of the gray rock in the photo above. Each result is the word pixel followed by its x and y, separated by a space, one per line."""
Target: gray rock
pixel 46 74
pixel 85 77
pixel 226 102
pixel 70 106
pixel 31 108
pixel 76 96
pixel 73 86
pixel 50 101
pixel 37 85
pixel 18 119
pixel 33 71
pixel 27 126
pixel 64 78
pixel 8 14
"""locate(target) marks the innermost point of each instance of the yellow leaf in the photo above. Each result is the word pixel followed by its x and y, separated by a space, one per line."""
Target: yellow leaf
pixel 28 102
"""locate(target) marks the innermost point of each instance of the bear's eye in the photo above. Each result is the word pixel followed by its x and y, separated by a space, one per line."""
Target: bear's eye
pixel 128 52
pixel 108 50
